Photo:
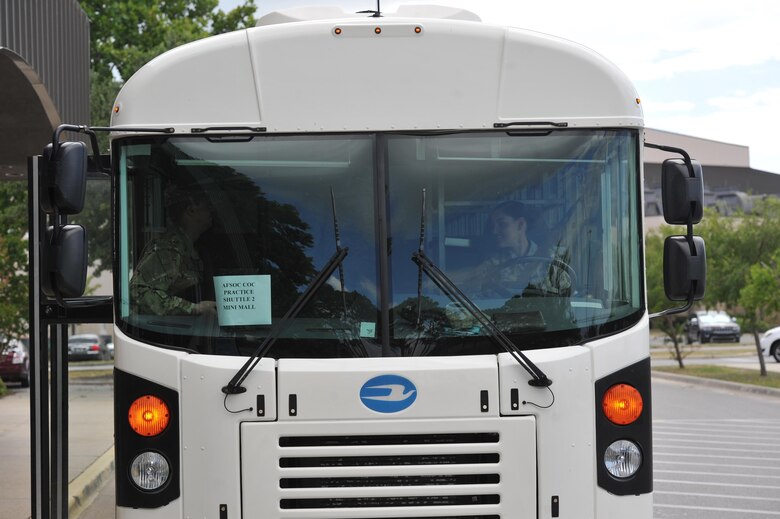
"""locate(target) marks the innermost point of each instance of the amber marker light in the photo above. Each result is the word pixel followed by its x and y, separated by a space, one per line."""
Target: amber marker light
pixel 337 30
pixel 377 30
pixel 622 404
pixel 116 109
pixel 418 30
pixel 148 415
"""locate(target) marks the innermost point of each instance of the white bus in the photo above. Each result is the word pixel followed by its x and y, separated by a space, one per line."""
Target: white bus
pixel 383 267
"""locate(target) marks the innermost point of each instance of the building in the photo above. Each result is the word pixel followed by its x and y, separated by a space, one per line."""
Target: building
pixel 730 184
pixel 44 76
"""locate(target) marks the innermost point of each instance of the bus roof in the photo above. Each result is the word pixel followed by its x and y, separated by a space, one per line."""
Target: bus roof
pixel 413 71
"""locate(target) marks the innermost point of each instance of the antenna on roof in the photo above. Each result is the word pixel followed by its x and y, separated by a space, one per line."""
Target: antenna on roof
pixel 375 14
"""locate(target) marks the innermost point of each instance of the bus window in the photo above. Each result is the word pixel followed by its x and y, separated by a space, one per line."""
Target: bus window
pixel 265 210
pixel 540 231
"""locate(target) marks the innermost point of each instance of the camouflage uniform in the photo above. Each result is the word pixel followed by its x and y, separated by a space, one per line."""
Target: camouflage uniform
pixel 505 275
pixel 167 278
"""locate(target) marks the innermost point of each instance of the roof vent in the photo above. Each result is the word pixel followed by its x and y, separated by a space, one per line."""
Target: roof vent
pixel 311 13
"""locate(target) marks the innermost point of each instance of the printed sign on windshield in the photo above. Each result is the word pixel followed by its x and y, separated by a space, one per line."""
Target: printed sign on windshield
pixel 243 300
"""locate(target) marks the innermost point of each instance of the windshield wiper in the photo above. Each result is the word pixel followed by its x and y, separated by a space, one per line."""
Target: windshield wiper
pixel 451 290
pixel 234 386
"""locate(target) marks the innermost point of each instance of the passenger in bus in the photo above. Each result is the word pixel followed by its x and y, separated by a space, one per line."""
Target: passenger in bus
pixel 168 277
pixel 517 266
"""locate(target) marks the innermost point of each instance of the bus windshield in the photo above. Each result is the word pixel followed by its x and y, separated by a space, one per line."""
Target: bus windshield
pixel 218 237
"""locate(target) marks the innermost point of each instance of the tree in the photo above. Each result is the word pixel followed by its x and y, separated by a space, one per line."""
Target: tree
pixel 13 259
pixel 672 326
pixel 734 244
pixel 123 37
pixel 760 297
pixel 742 254
pixel 126 35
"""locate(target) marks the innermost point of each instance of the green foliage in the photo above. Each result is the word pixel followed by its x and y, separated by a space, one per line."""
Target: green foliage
pixel 741 376
pixel 125 35
pixel 671 325
pixel 3 389
pixel 102 93
pixel 95 218
pixel 760 297
pixel 736 243
pixel 743 255
pixel 14 294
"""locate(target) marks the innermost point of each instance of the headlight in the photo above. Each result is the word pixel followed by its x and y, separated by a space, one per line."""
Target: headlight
pixel 150 470
pixel 622 459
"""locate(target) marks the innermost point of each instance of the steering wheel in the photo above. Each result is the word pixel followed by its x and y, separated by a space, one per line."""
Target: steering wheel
pixel 556 271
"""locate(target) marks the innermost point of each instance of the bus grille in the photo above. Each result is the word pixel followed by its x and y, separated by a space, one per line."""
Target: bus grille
pixel 410 469
pixel 436 454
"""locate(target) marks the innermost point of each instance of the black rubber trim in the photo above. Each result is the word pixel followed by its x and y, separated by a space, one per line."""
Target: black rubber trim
pixel 128 444
pixel 640 432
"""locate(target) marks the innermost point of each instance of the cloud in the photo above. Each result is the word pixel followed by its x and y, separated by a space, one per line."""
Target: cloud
pixel 692 56
pixel 747 119
pixel 648 41
pixel 669 107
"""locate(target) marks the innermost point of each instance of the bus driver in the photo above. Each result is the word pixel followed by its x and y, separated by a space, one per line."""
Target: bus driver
pixel 168 278
pixel 518 267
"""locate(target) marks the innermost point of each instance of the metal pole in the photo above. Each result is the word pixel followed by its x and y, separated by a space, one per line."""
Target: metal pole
pixel 39 372
pixel 59 422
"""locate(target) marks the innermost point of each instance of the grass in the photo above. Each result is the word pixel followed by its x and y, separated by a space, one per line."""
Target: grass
pixel 91 374
pixel 729 350
pixel 742 376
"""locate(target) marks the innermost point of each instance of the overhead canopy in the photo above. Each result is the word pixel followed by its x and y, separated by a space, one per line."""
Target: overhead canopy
pixel 27 115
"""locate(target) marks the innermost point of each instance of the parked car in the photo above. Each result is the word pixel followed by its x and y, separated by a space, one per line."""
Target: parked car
pixel 88 346
pixel 15 361
pixel 710 326
pixel 770 343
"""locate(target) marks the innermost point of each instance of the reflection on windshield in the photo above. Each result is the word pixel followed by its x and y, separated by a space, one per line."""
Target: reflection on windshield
pixel 540 232
pixel 220 237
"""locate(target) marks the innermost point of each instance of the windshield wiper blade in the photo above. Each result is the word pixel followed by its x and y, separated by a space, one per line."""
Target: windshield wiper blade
pixel 451 290
pixel 234 386
pixel 356 347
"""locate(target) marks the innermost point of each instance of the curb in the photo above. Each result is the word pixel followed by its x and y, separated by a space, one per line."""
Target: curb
pixel 85 487
pixel 720 384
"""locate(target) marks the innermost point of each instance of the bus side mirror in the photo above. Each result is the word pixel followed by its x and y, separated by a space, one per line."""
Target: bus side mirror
pixel 65 267
pixel 684 271
pixel 64 248
pixel 64 182
pixel 682 192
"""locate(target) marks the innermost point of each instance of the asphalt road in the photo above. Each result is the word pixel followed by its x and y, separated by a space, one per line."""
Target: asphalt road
pixel 715 453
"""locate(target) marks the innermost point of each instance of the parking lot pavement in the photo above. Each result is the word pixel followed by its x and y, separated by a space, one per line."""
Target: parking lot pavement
pixel 91 435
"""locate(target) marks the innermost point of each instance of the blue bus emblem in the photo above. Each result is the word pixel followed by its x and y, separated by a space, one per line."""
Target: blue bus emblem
pixel 388 393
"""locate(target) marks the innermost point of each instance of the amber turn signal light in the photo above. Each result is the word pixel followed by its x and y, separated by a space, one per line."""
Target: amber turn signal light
pixel 622 404
pixel 148 415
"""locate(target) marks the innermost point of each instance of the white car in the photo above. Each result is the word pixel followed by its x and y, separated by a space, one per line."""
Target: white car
pixel 770 343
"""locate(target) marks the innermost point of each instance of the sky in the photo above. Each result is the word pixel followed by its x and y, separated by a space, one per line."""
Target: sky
pixel 709 69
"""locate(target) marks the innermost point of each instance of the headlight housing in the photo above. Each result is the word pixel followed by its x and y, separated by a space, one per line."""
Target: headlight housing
pixel 622 459
pixel 150 471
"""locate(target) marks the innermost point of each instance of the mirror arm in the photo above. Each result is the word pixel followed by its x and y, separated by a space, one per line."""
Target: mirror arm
pixel 672 149
pixel 55 143
pixel 671 311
